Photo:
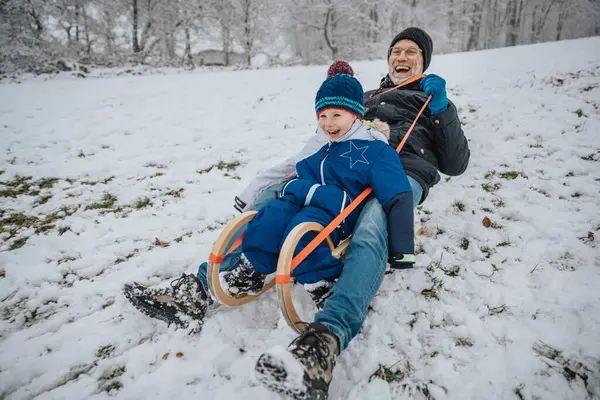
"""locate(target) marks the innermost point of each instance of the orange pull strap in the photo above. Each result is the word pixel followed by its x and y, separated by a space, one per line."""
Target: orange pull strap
pixel 219 259
pixel 406 82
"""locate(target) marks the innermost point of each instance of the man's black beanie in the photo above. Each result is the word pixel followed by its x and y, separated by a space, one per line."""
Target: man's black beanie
pixel 421 38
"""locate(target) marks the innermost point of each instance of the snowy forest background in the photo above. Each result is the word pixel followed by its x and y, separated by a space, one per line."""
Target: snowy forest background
pixel 52 35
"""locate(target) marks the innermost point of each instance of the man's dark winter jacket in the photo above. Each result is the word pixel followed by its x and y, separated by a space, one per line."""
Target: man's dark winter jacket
pixel 327 182
pixel 437 142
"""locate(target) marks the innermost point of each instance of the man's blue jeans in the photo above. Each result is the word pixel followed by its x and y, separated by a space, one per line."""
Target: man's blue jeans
pixel 364 267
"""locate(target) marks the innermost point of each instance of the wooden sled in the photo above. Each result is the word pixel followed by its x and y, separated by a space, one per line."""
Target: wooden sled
pixel 284 287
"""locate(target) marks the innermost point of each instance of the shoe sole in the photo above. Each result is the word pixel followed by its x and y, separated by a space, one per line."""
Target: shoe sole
pixel 271 373
pixel 154 312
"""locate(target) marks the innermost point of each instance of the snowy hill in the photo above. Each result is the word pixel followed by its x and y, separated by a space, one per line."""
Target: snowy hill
pixel 114 180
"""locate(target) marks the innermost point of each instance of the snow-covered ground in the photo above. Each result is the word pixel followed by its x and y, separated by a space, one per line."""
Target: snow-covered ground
pixel 145 170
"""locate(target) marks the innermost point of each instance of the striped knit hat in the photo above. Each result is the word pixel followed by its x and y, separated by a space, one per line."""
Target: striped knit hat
pixel 341 90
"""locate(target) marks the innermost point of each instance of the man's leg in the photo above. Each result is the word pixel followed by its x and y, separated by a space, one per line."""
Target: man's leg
pixel 346 309
pixel 233 258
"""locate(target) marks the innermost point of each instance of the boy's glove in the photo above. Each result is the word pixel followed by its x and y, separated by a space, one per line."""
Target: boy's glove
pixel 239 204
pixel 402 261
pixel 436 86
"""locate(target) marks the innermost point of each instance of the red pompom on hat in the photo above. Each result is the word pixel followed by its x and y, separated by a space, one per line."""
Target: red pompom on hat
pixel 339 67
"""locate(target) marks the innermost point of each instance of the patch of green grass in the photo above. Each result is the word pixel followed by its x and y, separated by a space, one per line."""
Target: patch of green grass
pixel 569 174
pixel 44 199
pixel 222 166
pixel 2 172
pixel 388 374
pixel 2 274
pixel 43 228
pixel 453 271
pixel 459 206
pixel 142 203
pixel 113 374
pixel 114 385
pixel 509 175
pixel 495 225
pixel 17 244
pixel 155 165
pixel 487 210
pixel 63 230
pixel 175 193
pixel 105 351
pixel 488 251
pixel 491 187
pixel 180 238
pixel 464 342
pixel 46 183
pixel 490 175
pixel 580 113
pixel 433 291
pixel 108 200
pixel 498 203
pixel 18 186
pixel 127 257
pixel 66 259
pixel 159 173
pixel 538 145
pixel 20 220
pixel 464 243
pixel 589 157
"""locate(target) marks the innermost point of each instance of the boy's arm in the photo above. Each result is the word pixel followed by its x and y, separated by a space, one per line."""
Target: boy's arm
pixel 277 174
pixel 392 189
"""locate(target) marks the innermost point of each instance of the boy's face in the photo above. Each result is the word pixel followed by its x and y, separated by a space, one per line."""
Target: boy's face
pixel 336 122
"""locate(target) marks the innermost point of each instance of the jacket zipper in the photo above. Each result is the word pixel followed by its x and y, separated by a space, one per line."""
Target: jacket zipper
pixel 323 157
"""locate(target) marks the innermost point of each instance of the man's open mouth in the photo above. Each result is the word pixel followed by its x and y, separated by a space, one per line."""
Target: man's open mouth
pixel 401 69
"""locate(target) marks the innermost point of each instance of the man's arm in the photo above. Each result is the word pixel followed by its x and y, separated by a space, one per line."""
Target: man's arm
pixel 277 174
pixel 451 145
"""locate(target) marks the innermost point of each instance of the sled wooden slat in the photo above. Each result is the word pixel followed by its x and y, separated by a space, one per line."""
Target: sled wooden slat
pixel 284 290
pixel 214 284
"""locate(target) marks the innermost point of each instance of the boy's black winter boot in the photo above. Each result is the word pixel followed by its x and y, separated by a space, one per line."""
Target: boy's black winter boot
pixel 184 303
pixel 304 370
pixel 242 278
pixel 319 292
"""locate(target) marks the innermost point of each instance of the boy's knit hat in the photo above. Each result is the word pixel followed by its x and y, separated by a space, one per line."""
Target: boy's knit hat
pixel 421 38
pixel 341 90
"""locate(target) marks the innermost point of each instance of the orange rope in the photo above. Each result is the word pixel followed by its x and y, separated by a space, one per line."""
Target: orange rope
pixel 219 259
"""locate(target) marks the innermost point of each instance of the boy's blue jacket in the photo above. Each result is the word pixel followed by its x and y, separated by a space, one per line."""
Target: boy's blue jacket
pixel 327 182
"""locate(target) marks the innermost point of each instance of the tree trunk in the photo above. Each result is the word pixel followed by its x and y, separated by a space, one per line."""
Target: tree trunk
pixel 328 34
pixel 136 44
pixel 511 33
pixel 187 52
pixel 475 27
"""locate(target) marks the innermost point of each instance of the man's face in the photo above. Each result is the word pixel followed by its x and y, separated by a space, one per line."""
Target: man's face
pixel 406 61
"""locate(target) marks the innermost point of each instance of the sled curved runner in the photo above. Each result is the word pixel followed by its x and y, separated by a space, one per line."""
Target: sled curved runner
pixel 214 284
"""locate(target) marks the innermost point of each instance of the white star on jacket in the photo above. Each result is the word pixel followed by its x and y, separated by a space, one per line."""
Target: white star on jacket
pixel 355 154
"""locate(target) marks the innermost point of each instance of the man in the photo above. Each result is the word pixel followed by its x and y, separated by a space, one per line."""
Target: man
pixel 437 143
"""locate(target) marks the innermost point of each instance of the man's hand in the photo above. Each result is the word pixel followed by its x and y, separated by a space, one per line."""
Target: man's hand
pixel 239 204
pixel 435 86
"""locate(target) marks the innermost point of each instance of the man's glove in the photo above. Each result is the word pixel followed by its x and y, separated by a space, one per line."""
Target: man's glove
pixel 402 261
pixel 239 204
pixel 436 86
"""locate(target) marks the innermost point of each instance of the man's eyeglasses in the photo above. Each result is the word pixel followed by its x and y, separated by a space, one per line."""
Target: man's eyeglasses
pixel 411 52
